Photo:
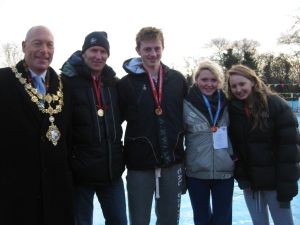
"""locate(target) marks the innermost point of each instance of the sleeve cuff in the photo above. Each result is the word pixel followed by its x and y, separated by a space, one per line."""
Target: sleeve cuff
pixel 244 184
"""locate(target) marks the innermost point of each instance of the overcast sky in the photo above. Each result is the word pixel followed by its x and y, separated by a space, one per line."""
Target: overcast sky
pixel 188 25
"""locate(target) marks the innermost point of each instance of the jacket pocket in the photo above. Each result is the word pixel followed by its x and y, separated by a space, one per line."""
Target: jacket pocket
pixel 223 161
pixel 140 153
pixel 89 164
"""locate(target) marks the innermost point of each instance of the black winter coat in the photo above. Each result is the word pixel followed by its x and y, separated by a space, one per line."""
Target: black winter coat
pixel 35 178
pixel 152 141
pixel 97 157
pixel 269 158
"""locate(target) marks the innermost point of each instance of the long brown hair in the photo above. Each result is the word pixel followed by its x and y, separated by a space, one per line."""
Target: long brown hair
pixel 257 100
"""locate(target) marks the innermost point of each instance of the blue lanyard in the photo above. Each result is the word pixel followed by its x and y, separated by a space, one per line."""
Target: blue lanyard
pixel 213 118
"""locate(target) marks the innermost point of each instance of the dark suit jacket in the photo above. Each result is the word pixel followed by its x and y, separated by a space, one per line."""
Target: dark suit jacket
pixel 35 179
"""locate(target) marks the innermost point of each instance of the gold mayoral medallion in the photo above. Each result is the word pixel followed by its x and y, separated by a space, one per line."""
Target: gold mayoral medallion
pixel 158 111
pixel 53 134
pixel 100 112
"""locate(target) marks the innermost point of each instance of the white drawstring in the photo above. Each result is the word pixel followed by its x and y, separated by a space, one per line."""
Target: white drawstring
pixel 258 202
pixel 157 176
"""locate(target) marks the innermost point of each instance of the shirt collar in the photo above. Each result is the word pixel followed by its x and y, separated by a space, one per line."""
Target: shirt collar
pixel 43 75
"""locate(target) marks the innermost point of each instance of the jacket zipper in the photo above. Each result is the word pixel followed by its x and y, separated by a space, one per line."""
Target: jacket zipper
pixel 99 132
pixel 113 115
pixel 177 140
pixel 107 129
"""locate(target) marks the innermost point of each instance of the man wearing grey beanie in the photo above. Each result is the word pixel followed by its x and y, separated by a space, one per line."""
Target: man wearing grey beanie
pixel 97 157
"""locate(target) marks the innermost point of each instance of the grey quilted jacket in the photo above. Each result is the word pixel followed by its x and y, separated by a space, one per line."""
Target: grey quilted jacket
pixel 202 160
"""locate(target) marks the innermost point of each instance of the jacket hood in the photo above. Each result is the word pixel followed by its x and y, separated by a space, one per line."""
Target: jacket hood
pixel 69 67
pixel 134 65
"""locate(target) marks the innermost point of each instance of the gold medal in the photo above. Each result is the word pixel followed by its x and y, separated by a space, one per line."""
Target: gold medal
pixel 158 111
pixel 100 112
pixel 213 128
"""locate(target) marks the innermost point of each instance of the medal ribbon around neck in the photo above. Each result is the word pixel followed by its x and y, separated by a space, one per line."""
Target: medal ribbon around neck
pixel 97 88
pixel 157 96
pixel 53 134
pixel 213 118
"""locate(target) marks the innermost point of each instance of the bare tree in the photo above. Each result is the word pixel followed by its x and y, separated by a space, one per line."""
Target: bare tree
pixel 220 46
pixel 190 67
pixel 295 69
pixel 11 53
pixel 245 45
pixel 227 53
pixel 292 37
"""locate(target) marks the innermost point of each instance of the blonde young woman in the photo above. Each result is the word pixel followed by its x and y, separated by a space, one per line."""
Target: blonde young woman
pixel 209 163
pixel 264 134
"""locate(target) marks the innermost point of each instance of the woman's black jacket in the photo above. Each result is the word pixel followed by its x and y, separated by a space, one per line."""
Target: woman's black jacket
pixel 268 158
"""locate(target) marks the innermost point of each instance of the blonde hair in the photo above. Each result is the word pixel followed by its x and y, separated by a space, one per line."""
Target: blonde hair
pixel 257 100
pixel 214 68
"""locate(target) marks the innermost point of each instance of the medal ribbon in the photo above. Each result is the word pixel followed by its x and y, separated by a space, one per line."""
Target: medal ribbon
pixel 213 118
pixel 97 88
pixel 157 96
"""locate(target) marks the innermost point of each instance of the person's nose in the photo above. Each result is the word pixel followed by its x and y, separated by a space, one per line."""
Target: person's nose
pixel 152 51
pixel 210 83
pixel 238 89
pixel 44 48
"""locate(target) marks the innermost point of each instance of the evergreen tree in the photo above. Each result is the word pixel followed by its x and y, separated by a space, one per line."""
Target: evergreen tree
pixel 249 60
pixel 230 59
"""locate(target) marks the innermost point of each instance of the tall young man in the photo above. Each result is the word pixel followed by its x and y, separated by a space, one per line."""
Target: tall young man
pixel 151 101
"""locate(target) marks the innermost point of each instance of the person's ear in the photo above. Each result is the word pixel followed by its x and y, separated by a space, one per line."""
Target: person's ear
pixel 137 50
pixel 23 46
